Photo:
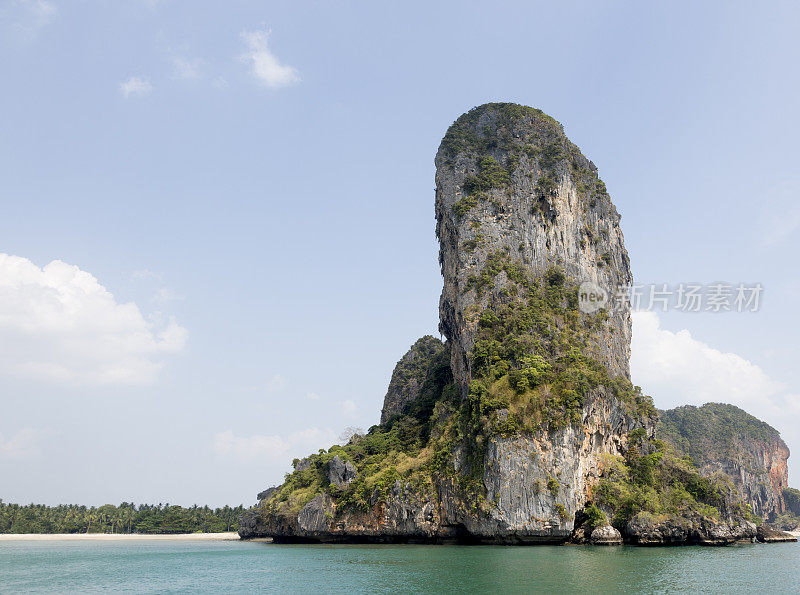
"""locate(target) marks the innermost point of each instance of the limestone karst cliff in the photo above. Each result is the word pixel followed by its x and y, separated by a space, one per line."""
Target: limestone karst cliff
pixel 511 189
pixel 524 426
pixel 724 439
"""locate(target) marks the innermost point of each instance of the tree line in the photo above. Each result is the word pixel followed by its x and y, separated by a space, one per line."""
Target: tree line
pixel 125 518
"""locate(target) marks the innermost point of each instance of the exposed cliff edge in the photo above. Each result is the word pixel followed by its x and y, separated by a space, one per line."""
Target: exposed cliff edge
pixel 524 427
pixel 724 438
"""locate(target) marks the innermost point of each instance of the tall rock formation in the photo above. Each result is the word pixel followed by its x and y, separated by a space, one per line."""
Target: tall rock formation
pixel 725 439
pixel 524 427
pixel 509 182
pixel 522 215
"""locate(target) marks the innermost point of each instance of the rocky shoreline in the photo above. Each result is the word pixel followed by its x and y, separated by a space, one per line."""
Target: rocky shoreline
pixel 314 526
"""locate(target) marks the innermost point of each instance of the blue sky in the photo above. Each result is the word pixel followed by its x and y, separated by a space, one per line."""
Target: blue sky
pixel 241 200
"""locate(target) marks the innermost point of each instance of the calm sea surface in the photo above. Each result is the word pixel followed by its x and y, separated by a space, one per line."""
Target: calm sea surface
pixel 239 567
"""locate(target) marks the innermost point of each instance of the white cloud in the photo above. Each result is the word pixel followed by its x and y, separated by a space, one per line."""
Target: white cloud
pixel 57 323
pixel 272 448
pixel 677 369
pixel 349 406
pixel 28 17
pixel 25 443
pixel 220 83
pixel 265 66
pixel 312 396
pixel 135 86
pixel 189 69
pixel 687 371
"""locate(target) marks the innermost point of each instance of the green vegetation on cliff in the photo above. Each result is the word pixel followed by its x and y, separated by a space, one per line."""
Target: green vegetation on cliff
pixel 654 479
pixel 712 432
pixel 535 353
pixel 125 518
pixel 532 368
pixel 464 137
pixel 400 448
pixel 499 148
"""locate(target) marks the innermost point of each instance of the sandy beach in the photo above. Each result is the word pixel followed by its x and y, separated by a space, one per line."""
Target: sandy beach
pixel 118 537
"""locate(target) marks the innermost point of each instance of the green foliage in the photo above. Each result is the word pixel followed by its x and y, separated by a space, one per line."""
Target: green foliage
pixel 552 153
pixel 490 175
pixel 414 365
pixel 471 244
pixel 653 478
pixel 552 485
pixel 464 205
pixel 401 448
pixel 466 136
pixel 533 370
pixel 786 522
pixel 713 432
pixel 594 517
pixel 546 185
pixel 125 518
pixel 536 354
pixel 554 277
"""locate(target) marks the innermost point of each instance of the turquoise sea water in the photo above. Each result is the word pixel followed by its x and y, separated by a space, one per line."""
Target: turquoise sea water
pixel 241 567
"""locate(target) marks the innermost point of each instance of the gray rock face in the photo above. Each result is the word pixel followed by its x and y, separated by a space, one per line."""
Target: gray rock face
pixel 766 534
pixel 760 473
pixel 252 524
pixel 537 483
pixel 605 535
pixel 340 473
pixel 545 207
pixel 302 464
pixel 645 530
pixel 409 375
pixel 317 515
pixel 266 494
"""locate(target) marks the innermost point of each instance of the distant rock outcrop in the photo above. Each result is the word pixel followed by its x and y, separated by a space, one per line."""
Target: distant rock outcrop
pixel 791 497
pixel 725 439
pixel 409 375
pixel 644 529
pixel 266 494
pixel 768 535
